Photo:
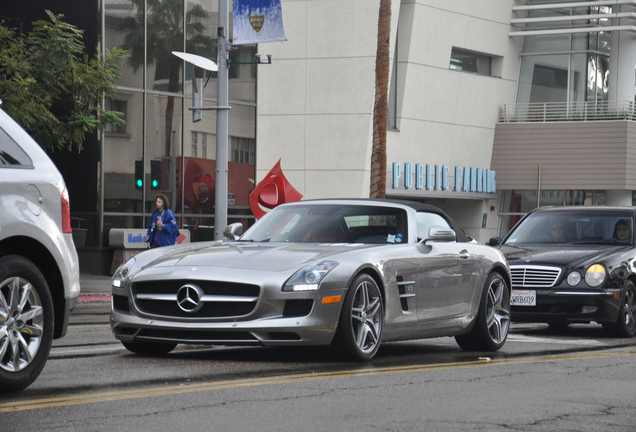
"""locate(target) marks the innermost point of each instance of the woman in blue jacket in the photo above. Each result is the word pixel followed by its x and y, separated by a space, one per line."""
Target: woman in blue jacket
pixel 162 228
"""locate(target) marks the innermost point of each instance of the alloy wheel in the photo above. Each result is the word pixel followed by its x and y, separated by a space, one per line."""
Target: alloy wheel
pixel 21 324
pixel 366 314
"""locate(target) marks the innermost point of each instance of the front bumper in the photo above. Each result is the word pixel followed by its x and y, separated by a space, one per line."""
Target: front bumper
pixel 278 319
pixel 567 305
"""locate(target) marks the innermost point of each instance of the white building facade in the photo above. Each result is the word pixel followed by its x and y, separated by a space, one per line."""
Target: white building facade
pixel 459 69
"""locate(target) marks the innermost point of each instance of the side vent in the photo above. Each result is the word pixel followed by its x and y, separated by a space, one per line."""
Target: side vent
pixel 405 289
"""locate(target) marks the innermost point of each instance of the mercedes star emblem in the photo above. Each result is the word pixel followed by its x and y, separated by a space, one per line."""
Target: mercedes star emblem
pixel 189 298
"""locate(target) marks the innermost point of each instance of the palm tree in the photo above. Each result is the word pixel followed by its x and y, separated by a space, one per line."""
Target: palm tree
pixel 380 107
pixel 165 34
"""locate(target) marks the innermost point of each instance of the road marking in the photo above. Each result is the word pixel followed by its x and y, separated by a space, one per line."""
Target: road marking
pixel 544 340
pixel 61 401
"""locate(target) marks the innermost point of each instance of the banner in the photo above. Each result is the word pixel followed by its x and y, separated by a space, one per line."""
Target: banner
pixel 257 21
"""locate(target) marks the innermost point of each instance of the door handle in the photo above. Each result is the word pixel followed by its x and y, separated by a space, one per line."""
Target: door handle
pixel 464 254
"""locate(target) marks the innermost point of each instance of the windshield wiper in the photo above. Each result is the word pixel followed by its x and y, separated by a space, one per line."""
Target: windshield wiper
pixel 601 242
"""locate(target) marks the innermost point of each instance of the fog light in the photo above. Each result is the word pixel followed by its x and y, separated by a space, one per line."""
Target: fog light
pixel 574 278
pixel 589 309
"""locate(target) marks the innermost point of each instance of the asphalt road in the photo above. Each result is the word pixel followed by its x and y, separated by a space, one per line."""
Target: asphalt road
pixel 575 380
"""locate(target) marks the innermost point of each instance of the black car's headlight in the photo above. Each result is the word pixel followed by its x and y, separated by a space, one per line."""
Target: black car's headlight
pixel 122 272
pixel 595 275
pixel 309 278
pixel 574 278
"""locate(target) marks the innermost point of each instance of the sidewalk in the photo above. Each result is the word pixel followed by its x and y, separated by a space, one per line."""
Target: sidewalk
pixel 94 289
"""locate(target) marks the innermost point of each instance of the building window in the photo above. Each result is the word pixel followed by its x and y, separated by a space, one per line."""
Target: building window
pixel 467 61
pixel 204 145
pixel 243 150
pixel 193 152
pixel 119 106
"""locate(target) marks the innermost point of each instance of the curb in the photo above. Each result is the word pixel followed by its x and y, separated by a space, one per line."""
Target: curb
pixel 100 297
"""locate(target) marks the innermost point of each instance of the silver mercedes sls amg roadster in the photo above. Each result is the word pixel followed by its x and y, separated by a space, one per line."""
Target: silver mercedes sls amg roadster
pixel 346 273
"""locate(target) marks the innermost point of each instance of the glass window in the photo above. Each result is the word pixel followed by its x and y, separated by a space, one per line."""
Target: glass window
pixel 587 227
pixel 467 61
pixel 119 106
pixel 242 150
pixel 11 154
pixel 121 151
pixel 124 28
pixel 425 221
pixel 193 144
pixel 164 143
pixel 564 70
pixel 331 223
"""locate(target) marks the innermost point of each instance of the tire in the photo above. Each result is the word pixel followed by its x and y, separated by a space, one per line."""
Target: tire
pixel 26 323
pixel 625 326
pixel 149 348
pixel 491 326
pixel 361 320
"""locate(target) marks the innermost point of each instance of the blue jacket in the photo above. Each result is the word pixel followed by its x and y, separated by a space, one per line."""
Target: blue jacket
pixel 167 235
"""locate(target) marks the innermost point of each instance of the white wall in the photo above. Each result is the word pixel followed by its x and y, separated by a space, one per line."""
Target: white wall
pixel 315 101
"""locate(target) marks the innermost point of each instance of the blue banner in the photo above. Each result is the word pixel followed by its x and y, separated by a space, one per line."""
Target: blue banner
pixel 257 21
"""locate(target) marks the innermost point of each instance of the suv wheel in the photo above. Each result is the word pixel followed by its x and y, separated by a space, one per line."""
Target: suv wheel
pixel 26 323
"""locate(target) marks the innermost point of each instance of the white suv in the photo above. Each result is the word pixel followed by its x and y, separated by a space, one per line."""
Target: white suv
pixel 39 268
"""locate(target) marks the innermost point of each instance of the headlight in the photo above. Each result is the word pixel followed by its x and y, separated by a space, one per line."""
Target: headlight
pixel 574 278
pixel 595 275
pixel 122 272
pixel 309 278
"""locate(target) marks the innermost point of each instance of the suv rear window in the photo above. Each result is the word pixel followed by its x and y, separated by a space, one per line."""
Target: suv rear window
pixel 11 154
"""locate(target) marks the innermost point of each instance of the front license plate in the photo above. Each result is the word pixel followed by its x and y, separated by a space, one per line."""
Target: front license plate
pixel 523 298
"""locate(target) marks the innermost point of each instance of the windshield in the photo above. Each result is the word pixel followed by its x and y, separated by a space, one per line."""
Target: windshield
pixel 330 223
pixel 574 227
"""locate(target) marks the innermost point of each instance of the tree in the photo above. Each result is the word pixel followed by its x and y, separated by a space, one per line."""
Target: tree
pixel 165 34
pixel 52 88
pixel 380 107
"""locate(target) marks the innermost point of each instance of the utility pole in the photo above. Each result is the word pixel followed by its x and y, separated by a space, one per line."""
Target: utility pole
pixel 222 116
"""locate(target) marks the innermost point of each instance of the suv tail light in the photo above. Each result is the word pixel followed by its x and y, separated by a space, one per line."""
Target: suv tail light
pixel 66 213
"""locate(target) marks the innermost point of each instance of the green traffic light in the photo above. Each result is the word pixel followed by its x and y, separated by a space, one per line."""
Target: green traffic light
pixel 155 183
pixel 140 183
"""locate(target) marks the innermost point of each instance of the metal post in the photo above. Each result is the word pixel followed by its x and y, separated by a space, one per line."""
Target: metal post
pixel 220 200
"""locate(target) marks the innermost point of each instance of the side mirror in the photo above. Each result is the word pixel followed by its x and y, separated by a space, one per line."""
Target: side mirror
pixel 233 231
pixel 494 241
pixel 441 234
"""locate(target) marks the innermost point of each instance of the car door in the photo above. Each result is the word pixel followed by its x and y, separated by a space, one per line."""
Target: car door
pixel 447 274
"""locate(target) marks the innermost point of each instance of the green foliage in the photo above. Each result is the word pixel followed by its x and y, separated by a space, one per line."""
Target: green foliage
pixel 50 86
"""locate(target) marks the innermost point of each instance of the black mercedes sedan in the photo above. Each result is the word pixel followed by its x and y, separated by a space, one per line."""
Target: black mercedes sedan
pixel 574 265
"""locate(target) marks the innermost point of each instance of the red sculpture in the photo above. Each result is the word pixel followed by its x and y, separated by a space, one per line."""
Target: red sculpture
pixel 272 191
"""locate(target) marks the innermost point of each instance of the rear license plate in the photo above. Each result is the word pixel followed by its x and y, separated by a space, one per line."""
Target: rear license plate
pixel 523 298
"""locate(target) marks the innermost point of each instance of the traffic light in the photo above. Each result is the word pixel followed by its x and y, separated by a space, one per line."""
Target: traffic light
pixel 155 174
pixel 139 174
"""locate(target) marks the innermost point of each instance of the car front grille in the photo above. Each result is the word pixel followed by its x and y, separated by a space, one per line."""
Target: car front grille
pixel 534 276
pixel 207 299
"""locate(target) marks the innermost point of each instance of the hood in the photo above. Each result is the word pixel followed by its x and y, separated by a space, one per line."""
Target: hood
pixel 561 255
pixel 252 256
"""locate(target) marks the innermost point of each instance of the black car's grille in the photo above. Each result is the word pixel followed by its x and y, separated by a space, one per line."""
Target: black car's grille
pixel 209 299
pixel 534 276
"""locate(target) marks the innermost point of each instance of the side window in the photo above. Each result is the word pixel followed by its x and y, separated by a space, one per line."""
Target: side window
pixel 11 155
pixel 426 220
